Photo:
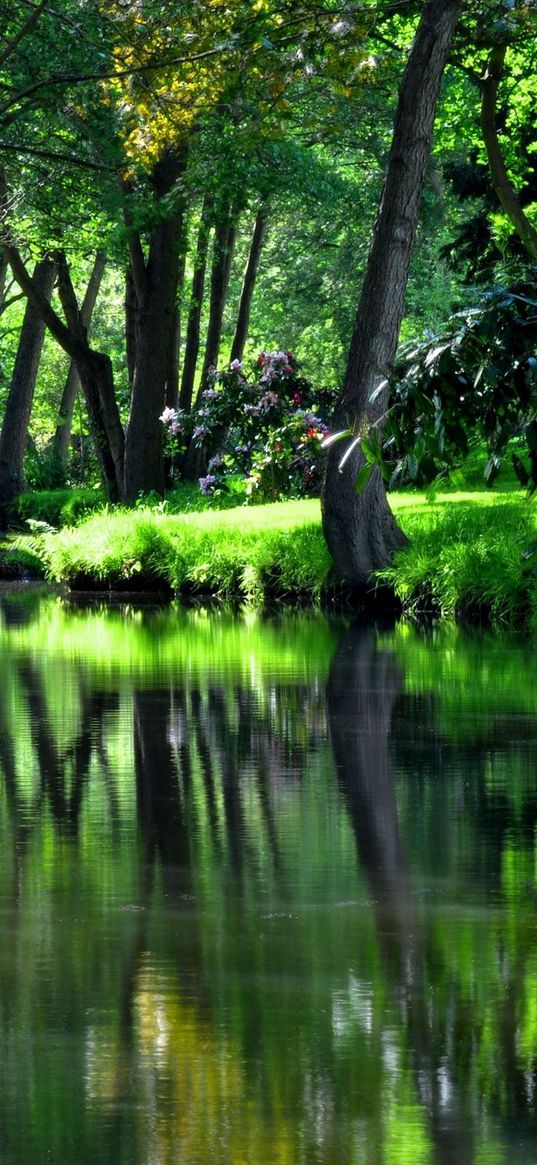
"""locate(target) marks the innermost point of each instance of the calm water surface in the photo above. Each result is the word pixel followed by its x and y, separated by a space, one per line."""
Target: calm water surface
pixel 268 891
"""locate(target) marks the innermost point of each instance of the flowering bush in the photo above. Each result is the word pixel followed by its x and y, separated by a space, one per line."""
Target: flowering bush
pixel 265 427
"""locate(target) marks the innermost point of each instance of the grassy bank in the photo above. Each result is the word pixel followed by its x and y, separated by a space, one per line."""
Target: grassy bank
pixel 470 554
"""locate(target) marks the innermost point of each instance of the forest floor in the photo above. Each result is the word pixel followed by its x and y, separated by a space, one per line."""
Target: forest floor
pixel 471 554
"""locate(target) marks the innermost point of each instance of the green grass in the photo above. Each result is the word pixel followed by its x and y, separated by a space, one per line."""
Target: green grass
pixel 247 553
pixel 470 554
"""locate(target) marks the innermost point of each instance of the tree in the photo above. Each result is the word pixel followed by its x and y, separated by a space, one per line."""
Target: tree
pixel 359 527
pixel 14 432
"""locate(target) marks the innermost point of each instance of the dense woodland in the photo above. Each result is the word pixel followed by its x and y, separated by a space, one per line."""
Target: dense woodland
pixel 188 185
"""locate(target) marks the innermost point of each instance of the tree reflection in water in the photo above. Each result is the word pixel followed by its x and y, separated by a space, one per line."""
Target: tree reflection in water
pixel 214 948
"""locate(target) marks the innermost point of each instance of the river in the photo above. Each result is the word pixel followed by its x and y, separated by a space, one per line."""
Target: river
pixel 268 889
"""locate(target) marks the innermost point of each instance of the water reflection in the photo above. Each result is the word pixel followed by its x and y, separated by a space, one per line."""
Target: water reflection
pixel 266 891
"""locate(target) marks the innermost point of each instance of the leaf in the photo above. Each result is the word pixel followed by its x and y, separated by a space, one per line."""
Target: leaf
pixel 520 470
pixel 433 355
pixel 413 467
pixel 363 478
pixel 377 391
pixel 348 452
pixel 333 437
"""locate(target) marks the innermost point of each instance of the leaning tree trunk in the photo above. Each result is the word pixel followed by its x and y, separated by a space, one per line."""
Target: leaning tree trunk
pixel 360 529
pixel 156 283
pixel 192 343
pixel 250 276
pixel 62 436
pixel 14 433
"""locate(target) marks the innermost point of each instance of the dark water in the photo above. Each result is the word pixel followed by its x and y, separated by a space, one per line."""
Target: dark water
pixel 267 891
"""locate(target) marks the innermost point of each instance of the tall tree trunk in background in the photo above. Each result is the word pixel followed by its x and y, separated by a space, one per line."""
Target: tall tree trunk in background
pixel 4 268
pixel 172 380
pixel 360 529
pixel 192 343
pixel 224 245
pixel 97 380
pixel 503 186
pixel 250 275
pixel 156 281
pixel 62 436
pixel 131 311
pixel 95 368
pixel 14 433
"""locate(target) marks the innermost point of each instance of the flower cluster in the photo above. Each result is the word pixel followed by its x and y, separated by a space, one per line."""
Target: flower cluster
pixel 263 424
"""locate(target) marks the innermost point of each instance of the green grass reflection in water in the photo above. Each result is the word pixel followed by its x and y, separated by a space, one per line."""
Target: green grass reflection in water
pixel 266 891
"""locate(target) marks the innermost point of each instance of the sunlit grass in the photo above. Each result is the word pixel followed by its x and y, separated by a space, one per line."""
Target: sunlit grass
pixel 470 553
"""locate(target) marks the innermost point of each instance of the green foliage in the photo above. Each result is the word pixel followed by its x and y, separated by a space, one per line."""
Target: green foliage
pixel 476 381
pixel 58 507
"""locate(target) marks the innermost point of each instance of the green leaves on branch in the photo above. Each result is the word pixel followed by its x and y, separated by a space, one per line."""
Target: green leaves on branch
pixel 475 383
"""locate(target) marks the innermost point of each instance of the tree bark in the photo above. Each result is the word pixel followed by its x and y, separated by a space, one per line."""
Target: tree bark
pixel 224 245
pixel 360 529
pixel 156 290
pixel 250 275
pixel 503 186
pixel 14 433
pixel 196 303
pixel 97 380
pixel 62 436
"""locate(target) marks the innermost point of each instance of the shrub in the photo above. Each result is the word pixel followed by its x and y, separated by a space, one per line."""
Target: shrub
pixel 264 426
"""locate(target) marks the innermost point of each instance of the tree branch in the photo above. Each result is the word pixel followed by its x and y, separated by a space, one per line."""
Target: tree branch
pixel 27 27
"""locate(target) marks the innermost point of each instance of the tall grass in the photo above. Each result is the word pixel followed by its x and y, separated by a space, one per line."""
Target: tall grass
pixel 470 554
pixel 272 551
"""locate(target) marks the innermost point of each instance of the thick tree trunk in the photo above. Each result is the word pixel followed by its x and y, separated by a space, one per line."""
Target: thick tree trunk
pixel 62 436
pixel 192 344
pixel 360 529
pixel 156 290
pixel 14 433
pixel 507 196
pixel 250 275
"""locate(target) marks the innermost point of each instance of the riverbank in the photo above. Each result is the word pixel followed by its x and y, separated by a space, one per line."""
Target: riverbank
pixel 471 554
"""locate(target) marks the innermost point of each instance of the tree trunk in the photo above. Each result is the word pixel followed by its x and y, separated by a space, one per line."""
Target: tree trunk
pixel 250 275
pixel 224 244
pixel 360 529
pixel 4 268
pixel 196 303
pixel 97 380
pixel 62 436
pixel 131 325
pixel 156 290
pixel 95 368
pixel 14 433
pixel 507 196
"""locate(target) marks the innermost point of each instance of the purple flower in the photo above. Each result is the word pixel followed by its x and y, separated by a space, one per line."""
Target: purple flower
pixel 168 416
pixel 235 365
pixel 200 432
pixel 207 484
